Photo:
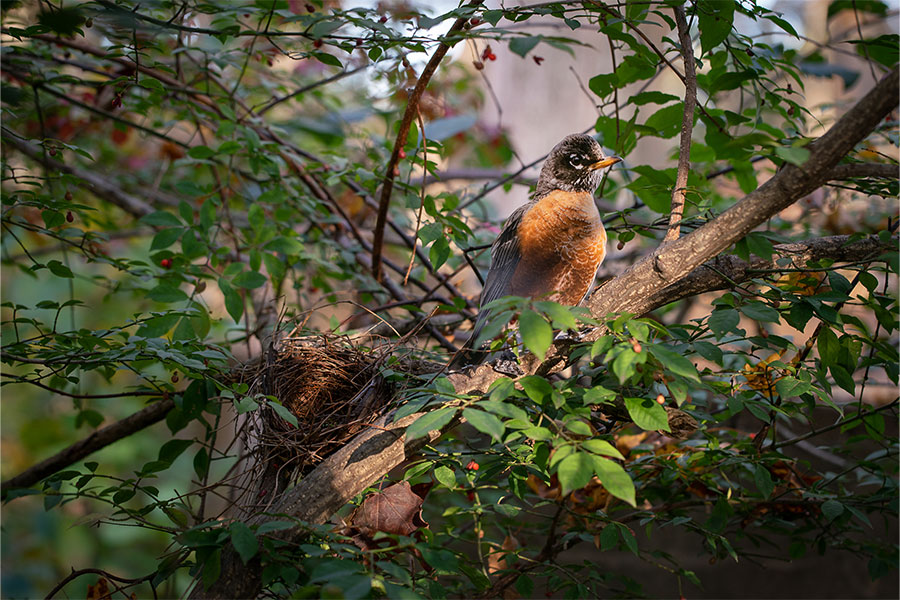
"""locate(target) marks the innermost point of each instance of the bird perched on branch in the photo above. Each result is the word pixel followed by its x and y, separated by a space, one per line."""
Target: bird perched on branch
pixel 550 248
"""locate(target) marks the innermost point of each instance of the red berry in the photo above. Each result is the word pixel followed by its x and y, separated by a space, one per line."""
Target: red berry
pixel 475 22
pixel 310 8
pixel 359 42
pixel 472 466
pixel 537 60
pixel 52 151
pixel 402 154
pixel 486 53
pixel 117 102
pixel 70 217
pixel 660 399
pixel 68 196
pixel 470 496
pixel 175 377
pixel 620 245
pixel 317 44
pixel 165 263
pixel 492 56
pixel 383 19
pixel 396 170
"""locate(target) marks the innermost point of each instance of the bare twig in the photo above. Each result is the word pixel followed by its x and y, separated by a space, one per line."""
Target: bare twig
pixel 412 108
pixel 687 126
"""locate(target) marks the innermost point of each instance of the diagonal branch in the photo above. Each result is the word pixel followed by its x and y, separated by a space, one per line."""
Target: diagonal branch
pixel 412 109
pixel 687 126
pixel 154 413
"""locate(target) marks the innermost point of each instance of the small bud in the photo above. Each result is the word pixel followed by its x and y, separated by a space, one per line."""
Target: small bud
pixel 52 151
pixel 470 496
pixel 620 245
pixel 478 65
pixel 317 44
pixel 70 217
pixel 68 196
pixel 401 153
pixel 636 346
pixel 472 466
pixel 396 170
pixel 200 287
pixel 175 377
pixel 537 60
pixel 310 8
pixel 359 42
pixel 486 53
pixel 89 22
pixel 383 19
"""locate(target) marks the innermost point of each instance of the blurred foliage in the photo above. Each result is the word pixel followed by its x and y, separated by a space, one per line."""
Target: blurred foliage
pixel 182 178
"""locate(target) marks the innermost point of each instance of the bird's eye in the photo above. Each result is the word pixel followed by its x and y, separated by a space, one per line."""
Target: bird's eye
pixel 575 161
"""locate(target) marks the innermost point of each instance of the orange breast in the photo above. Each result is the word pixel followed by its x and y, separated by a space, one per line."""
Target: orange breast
pixel 562 242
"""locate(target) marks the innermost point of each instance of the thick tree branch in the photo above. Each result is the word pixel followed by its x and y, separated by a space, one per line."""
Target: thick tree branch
pixel 320 494
pixel 101 438
pixel 412 109
pixel 687 126
pixel 880 170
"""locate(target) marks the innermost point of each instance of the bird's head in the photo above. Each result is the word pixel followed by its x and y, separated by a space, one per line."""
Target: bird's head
pixel 576 164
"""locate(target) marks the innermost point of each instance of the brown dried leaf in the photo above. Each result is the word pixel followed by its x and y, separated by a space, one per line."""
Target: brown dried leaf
pixel 397 509
pixel 99 591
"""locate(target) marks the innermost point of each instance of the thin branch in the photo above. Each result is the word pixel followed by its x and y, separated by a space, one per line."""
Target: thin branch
pixel 687 126
pixel 101 438
pixel 412 108
pixel 100 186
pixel 311 86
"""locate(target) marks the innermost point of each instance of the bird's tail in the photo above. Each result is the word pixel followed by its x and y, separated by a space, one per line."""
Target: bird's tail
pixel 468 356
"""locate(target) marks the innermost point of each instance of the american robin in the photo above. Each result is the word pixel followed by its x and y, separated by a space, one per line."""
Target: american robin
pixel 550 248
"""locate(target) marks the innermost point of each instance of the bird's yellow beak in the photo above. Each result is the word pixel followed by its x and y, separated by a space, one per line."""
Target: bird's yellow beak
pixel 606 162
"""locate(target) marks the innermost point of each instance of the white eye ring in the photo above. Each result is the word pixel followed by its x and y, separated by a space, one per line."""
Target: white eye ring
pixel 575 161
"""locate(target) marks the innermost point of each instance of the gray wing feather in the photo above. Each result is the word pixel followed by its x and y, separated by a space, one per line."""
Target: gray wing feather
pixel 505 256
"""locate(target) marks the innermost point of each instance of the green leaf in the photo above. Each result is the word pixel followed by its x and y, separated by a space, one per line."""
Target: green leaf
pixel 763 480
pixel 793 154
pixel 244 541
pixel 715 18
pixel 537 335
pixel 59 269
pixel 439 252
pixel 843 378
pixel 161 218
pixel 430 421
pixel 536 388
pixel 575 471
pixel 166 293
pixel 602 447
pixel 328 59
pixel 832 509
pixel 249 280
pixel 760 312
pixel 201 152
pixel 166 238
pixel 283 412
pixel 647 414
pixel 666 122
pixel 723 321
pixel 829 347
pixel 212 568
pixel 484 422
pixel 234 304
pixel 615 479
pixel 674 362
pixel 523 45
pixel 445 476
pixel 173 449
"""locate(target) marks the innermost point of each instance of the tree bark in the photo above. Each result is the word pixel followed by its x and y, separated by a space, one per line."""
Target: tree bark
pixel 376 451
